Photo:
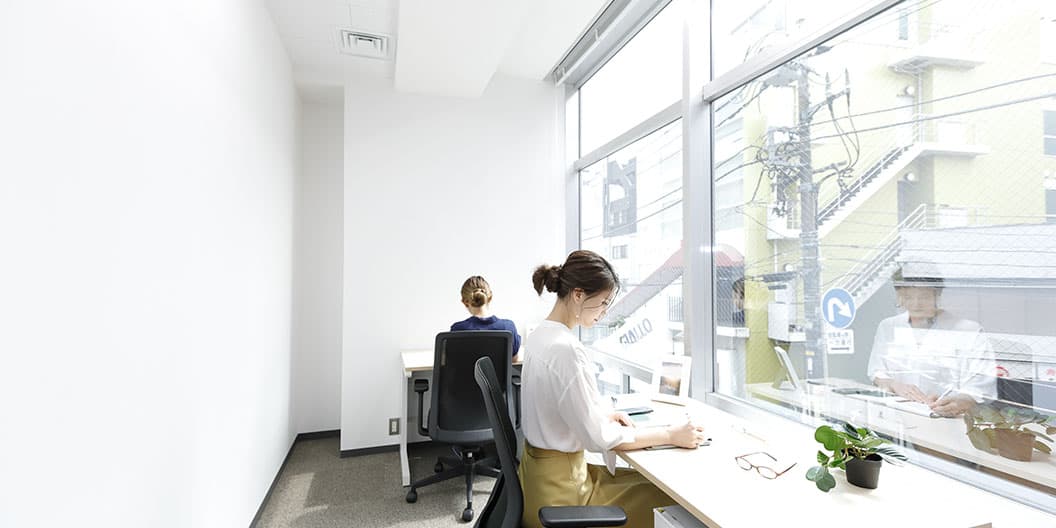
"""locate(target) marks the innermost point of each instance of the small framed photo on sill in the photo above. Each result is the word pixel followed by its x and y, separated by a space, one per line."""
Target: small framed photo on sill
pixel 671 379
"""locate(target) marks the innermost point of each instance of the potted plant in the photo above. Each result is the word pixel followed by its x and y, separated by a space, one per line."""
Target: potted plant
pixel 1006 429
pixel 856 450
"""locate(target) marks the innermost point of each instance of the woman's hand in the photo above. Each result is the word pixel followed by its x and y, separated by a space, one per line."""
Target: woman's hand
pixel 688 435
pixel 908 391
pixel 622 418
pixel 953 405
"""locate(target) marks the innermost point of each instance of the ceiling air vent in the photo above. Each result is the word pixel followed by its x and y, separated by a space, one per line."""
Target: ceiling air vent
pixel 364 44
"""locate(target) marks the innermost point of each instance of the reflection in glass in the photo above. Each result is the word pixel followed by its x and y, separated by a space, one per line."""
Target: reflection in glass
pixel 743 29
pixel 631 213
pixel 912 142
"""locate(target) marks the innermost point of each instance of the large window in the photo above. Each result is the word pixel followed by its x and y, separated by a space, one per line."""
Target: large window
pixel 880 207
pixel 631 198
pixel 744 29
pixel 880 221
pixel 642 79
pixel 631 213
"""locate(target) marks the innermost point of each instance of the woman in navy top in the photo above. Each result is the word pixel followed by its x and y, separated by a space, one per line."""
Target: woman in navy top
pixel 476 297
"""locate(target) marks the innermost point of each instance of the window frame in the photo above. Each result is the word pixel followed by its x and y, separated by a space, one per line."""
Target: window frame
pixel 701 89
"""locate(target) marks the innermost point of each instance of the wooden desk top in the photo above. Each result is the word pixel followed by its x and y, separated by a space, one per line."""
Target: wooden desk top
pixel 709 483
pixel 417 361
pixel 944 435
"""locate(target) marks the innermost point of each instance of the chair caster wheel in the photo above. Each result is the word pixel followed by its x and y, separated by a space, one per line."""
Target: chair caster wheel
pixel 467 514
pixel 438 467
pixel 412 496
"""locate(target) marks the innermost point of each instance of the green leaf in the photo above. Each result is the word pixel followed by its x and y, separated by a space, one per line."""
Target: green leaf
pixel 872 443
pixel 829 438
pixel 823 459
pixel 826 482
pixel 1042 447
pixel 889 452
pixel 814 473
pixel 988 414
pixel 980 439
pixel 850 430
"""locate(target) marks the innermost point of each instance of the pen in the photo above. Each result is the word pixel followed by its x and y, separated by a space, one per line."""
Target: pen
pixel 670 446
pixel 943 395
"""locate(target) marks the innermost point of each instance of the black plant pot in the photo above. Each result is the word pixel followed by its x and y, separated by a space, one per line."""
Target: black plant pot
pixel 864 472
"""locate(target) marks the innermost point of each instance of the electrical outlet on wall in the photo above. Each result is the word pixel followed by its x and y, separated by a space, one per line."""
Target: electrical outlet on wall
pixel 394 426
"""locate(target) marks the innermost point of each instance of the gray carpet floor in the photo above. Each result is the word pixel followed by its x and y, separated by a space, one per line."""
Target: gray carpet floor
pixel 318 489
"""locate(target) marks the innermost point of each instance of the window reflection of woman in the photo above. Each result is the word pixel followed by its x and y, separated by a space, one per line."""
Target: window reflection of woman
pixel 929 355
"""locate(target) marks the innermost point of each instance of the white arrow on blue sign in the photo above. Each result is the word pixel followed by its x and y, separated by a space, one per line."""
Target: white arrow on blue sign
pixel 837 307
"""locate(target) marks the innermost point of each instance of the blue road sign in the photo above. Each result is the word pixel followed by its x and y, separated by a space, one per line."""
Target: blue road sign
pixel 837 307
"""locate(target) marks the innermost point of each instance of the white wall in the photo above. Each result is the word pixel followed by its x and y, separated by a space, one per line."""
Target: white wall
pixel 438 189
pixel 147 162
pixel 317 269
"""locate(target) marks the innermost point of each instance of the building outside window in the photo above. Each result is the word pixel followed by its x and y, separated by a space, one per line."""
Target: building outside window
pixel 879 213
pixel 892 230
pixel 1049 138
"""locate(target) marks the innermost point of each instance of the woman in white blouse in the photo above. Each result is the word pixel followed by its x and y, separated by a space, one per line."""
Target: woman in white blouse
pixel 929 355
pixel 563 414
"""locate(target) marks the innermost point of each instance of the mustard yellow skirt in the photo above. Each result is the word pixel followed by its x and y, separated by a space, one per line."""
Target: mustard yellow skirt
pixel 556 478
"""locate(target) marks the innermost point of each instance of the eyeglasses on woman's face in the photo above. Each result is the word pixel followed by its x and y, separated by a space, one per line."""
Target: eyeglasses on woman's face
pixel 764 471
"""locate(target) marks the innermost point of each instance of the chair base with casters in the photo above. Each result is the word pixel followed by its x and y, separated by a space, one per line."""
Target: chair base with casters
pixel 506 504
pixel 467 461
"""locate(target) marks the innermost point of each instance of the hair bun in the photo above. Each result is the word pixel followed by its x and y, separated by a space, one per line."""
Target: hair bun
pixel 546 277
pixel 479 298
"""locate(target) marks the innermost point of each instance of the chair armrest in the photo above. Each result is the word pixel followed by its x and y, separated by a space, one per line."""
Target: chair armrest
pixel 581 516
pixel 516 382
pixel 421 386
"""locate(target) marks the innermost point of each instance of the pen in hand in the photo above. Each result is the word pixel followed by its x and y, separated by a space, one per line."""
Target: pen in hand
pixel 943 395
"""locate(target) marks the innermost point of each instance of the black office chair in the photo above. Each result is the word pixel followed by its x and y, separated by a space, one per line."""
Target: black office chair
pixel 457 415
pixel 506 504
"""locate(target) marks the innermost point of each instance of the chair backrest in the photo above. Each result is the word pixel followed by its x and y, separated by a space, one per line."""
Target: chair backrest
pixel 506 504
pixel 457 414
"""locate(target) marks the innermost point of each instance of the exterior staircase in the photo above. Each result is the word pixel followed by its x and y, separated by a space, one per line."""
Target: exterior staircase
pixel 857 192
pixel 866 278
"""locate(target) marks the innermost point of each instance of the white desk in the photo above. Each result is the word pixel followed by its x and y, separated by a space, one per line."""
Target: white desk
pixel 943 435
pixel 707 482
pixel 413 361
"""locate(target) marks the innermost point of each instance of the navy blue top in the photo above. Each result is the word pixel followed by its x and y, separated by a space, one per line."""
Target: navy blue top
pixel 489 323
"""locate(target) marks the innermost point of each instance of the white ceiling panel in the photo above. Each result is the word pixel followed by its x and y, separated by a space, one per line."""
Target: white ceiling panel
pixel 546 33
pixel 453 48
pixel 441 47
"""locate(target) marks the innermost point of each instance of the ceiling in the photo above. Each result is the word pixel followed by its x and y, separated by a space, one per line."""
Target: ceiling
pixel 451 47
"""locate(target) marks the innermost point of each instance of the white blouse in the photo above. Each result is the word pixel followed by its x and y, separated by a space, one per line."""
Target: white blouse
pixel 561 408
pixel 952 354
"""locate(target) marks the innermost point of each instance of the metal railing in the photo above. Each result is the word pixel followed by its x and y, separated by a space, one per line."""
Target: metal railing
pixel 867 270
pixel 849 192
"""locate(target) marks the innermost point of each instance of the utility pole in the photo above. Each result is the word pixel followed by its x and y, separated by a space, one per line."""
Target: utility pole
pixel 817 364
